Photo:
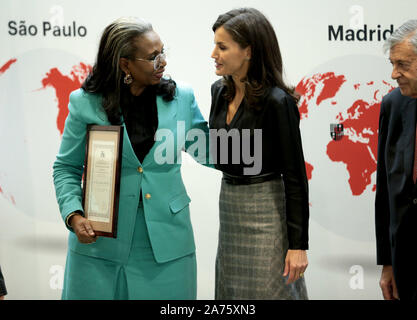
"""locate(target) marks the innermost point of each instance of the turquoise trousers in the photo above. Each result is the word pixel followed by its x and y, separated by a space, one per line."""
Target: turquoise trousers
pixel 141 278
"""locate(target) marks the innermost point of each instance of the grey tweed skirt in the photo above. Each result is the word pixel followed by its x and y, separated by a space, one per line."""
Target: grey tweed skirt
pixel 253 244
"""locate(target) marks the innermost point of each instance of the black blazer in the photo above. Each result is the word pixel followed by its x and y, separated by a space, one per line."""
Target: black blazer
pixel 3 290
pixel 396 193
pixel 282 151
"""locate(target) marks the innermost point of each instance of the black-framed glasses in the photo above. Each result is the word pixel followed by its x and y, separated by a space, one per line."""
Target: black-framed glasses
pixel 157 60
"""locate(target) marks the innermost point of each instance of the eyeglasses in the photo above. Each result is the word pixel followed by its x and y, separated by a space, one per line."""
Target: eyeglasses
pixel 157 60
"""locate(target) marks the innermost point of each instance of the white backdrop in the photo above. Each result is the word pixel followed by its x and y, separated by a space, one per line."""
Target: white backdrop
pixel 342 81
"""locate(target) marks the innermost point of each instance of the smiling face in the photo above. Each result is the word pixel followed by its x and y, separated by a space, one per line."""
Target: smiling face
pixel 229 57
pixel 403 58
pixel 148 45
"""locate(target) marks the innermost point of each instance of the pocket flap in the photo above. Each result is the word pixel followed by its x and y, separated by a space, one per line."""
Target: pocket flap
pixel 179 203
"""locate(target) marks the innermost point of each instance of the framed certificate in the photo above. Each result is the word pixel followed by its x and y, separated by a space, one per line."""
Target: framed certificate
pixel 101 183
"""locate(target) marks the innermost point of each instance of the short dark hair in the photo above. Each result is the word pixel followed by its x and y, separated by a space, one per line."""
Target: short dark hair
pixel 249 27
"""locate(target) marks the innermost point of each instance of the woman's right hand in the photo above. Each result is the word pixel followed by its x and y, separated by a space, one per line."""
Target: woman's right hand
pixel 83 229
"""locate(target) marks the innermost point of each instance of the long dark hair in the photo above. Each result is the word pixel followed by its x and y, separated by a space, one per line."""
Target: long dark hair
pixel 249 27
pixel 106 77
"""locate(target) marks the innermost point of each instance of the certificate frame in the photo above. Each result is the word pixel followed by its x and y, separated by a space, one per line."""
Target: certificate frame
pixel 101 183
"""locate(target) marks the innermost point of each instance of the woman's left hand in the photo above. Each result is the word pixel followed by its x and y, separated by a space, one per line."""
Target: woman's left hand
pixel 295 265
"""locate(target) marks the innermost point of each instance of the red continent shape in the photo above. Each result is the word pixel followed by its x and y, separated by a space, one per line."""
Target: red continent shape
pixel 6 66
pixel 359 157
pixel 307 89
pixel 332 84
pixel 309 170
pixel 63 86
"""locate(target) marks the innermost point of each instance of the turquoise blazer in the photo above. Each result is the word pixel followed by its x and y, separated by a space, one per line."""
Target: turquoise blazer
pixel 167 212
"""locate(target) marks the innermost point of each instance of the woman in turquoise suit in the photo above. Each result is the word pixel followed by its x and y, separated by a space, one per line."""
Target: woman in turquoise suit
pixel 153 256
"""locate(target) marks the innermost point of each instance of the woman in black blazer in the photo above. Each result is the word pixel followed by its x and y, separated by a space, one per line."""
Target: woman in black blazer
pixel 264 208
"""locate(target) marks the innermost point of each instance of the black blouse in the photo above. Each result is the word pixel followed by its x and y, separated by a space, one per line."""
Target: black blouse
pixel 281 150
pixel 141 119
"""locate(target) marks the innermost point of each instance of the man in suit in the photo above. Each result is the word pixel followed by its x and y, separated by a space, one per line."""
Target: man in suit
pixel 396 191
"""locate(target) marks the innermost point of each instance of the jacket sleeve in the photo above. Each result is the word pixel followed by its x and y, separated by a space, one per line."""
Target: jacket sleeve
pixel 3 290
pixel 382 211
pixel 286 118
pixel 197 140
pixel 68 167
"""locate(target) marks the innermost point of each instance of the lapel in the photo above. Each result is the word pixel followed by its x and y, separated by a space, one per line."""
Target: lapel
pixel 408 114
pixel 129 156
pixel 167 112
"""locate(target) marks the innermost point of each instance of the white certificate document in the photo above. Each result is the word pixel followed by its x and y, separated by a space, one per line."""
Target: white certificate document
pixel 101 182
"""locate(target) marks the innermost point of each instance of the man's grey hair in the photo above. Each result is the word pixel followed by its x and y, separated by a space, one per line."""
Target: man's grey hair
pixel 407 31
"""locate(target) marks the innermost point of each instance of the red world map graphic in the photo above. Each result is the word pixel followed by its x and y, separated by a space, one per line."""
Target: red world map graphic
pixel 63 86
pixel 308 87
pixel 358 150
pixel 6 66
